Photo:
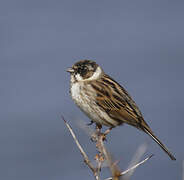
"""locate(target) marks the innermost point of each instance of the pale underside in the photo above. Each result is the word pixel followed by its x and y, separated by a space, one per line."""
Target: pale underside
pixel 85 97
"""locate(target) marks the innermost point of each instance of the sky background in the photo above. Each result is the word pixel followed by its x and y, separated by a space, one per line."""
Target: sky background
pixel 139 43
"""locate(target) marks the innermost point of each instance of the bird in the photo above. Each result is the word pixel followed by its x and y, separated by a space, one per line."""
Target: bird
pixel 104 100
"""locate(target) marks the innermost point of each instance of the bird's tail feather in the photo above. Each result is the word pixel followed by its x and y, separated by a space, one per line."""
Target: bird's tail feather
pixel 149 132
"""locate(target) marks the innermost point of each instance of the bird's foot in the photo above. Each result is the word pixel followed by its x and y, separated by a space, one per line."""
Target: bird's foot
pixel 95 135
pixel 105 134
pixel 98 134
pixel 107 131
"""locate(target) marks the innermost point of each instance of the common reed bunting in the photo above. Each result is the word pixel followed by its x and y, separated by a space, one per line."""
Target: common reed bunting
pixel 104 100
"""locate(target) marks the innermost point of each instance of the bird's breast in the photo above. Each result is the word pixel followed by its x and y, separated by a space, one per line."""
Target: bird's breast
pixel 82 96
pixel 75 91
pixel 85 97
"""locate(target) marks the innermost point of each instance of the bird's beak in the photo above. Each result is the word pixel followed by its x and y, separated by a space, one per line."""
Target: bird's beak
pixel 70 70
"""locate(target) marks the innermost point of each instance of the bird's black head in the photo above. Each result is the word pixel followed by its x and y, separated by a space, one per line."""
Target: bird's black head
pixel 84 69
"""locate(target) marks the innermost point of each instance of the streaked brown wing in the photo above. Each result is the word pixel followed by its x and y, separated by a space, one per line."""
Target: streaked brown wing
pixel 117 103
pixel 117 112
pixel 115 100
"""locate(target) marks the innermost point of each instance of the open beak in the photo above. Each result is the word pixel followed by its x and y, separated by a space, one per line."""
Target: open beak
pixel 70 70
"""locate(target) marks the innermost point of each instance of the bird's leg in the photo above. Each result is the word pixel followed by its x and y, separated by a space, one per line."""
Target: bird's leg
pixel 98 129
pixel 105 134
pixel 97 133
pixel 108 131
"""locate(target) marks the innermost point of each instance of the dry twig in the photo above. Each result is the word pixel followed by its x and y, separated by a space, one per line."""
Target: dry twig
pixel 102 156
pixel 86 159
pixel 133 167
pixel 112 166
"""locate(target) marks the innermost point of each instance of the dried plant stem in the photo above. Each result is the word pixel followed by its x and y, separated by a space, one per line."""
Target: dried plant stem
pixel 86 159
pixel 133 167
pixel 103 151
pixel 102 155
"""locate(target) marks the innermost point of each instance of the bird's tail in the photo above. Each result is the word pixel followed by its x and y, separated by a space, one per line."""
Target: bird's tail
pixel 149 132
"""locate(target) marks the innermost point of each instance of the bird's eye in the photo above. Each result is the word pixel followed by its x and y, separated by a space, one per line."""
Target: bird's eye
pixel 82 70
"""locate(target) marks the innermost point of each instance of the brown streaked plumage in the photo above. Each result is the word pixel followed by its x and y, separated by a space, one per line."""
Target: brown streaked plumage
pixel 105 101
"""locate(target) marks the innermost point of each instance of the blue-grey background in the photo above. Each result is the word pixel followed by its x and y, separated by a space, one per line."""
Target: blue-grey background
pixel 139 43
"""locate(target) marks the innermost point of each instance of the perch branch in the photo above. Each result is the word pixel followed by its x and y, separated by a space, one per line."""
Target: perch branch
pixel 106 156
pixel 133 167
pixel 103 155
pixel 86 159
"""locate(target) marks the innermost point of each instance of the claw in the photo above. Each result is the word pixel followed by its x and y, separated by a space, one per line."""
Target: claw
pixel 94 137
pixel 98 133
